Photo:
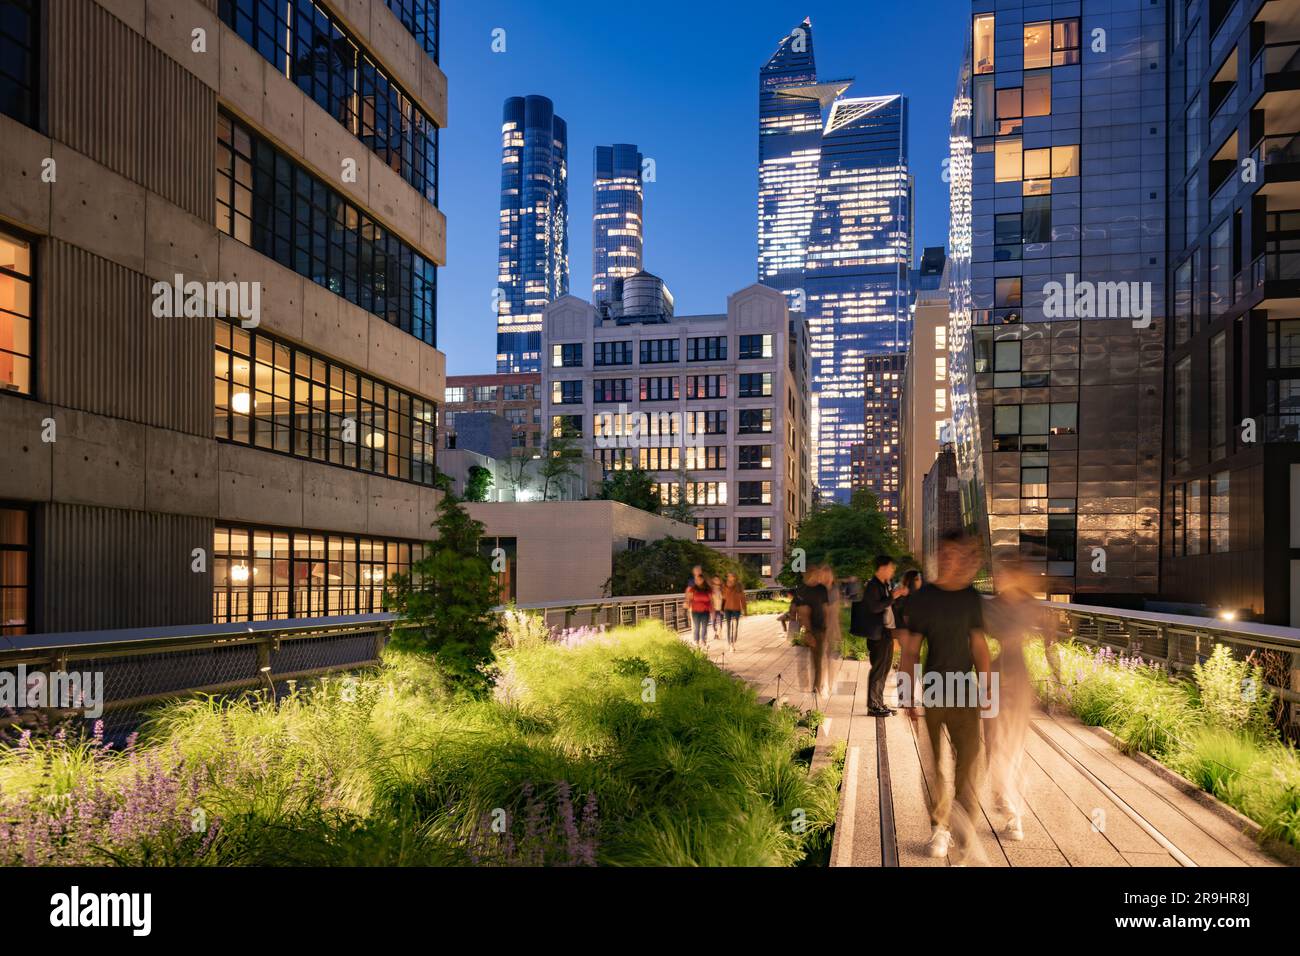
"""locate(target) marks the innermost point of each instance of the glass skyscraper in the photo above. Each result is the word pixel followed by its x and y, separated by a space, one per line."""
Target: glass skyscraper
pixel 1057 176
pixel 835 234
pixel 533 259
pixel 616 217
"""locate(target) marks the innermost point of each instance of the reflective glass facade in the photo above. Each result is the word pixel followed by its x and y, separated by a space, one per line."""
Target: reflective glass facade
pixel 616 217
pixel 420 17
pixel 857 273
pixel 307 44
pixel 1057 178
pixel 533 260
pixel 268 201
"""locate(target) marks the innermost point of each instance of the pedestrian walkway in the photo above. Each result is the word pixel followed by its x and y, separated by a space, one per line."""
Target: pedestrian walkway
pixel 1087 803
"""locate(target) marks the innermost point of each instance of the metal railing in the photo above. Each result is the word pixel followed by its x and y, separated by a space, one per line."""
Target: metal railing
pixel 1180 641
pixel 1274 58
pixel 630 610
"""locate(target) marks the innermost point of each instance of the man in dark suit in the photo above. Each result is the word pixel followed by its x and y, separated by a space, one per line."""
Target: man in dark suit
pixel 867 619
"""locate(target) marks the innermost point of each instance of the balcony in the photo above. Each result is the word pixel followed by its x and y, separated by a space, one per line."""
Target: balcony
pixel 1276 70
pixel 1277 159
pixel 1274 277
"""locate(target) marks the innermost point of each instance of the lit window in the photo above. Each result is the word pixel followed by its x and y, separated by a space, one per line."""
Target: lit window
pixel 982 43
pixel 1065 161
pixel 1038 45
pixel 1007 160
pixel 15 315
pixel 940 400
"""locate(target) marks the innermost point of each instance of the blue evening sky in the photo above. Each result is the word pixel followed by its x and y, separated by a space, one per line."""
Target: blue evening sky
pixel 680 80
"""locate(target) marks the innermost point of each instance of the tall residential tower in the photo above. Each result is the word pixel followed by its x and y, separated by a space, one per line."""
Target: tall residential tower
pixel 616 218
pixel 533 258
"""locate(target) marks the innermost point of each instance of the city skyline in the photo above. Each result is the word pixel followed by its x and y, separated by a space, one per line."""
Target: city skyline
pixel 718 149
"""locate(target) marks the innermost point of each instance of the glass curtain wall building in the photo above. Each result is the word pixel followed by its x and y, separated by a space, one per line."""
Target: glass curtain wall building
pixel 617 224
pixel 533 260
pixel 857 277
pixel 1057 177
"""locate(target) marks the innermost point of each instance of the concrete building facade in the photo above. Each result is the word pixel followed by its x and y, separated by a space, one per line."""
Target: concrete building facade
pixel 715 407
pixel 924 412
pixel 170 459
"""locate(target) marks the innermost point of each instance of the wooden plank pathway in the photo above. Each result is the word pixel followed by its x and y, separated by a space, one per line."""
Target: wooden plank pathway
pixel 1087 803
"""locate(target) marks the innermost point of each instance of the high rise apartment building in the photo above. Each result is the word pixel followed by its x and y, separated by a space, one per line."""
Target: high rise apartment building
pixel 617 219
pixel 924 415
pixel 219 373
pixel 533 243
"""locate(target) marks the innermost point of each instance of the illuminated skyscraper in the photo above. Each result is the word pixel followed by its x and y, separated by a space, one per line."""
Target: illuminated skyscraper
pixel 533 260
pixel 856 277
pixel 790 107
pixel 616 217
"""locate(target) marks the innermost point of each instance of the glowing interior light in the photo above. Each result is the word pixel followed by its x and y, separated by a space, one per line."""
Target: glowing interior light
pixel 242 402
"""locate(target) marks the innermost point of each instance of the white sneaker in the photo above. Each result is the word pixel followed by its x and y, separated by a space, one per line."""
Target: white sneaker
pixel 1014 829
pixel 940 840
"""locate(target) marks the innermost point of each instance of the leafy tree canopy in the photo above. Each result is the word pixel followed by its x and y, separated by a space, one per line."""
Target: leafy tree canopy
pixel 634 486
pixel 664 567
pixel 848 537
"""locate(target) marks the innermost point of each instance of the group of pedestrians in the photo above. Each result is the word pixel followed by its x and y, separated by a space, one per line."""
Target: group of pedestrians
pixel 947 677
pixel 713 602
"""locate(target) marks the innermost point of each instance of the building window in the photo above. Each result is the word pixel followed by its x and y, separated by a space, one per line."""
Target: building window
pixel 982 43
pixel 607 390
pixel 706 386
pixel 1183 301
pixel 1218 396
pixel 1194 519
pixel 1284 343
pixel 1221 269
pixel 566 426
pixel 15 314
pixel 260 574
pixel 1008 166
pixel 612 353
pixel 15 570
pixel 1220 518
pixel 754 493
pixel 706 457
pixel 420 17
pixel 756 346
pixel 284 212
pixel 304 43
pixel 1037 96
pixel 707 423
pixel 454 395
pixel 754 421
pixel 19 60
pixel 566 356
pixel 485 394
pixel 277 396
pixel 660 351
pixel 753 529
pixel 1182 411
pixel 614 459
pixel 712 348
pixel 756 385
pixel 711 529
pixel 705 493
pixel 659 389
pixel 1051 43
pixel 566 393
pixel 660 459
pixel 755 456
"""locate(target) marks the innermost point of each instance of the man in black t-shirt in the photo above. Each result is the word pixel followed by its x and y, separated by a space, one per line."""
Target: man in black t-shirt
pixel 954 686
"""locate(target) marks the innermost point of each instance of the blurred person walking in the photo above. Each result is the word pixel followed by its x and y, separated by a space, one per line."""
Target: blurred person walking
pixel 715 595
pixel 948 614
pixel 811 605
pixel 699 604
pixel 734 603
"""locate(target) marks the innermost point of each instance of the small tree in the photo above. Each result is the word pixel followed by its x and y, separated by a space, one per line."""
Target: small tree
pixel 477 483
pixel 633 486
pixel 664 567
pixel 447 600
pixel 559 459
pixel 517 466
pixel 848 537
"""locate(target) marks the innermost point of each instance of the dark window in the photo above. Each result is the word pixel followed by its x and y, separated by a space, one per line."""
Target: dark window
pixel 19 60
pixel 755 421
pixel 710 349
pixel 420 17
pixel 612 353
pixel 755 456
pixel 755 384
pixel 755 346
pixel 15 570
pixel 493 548
pixel 274 395
pixel 659 351
pixel 566 356
pixel 754 493
pixel 286 213
pixel 302 41
pixel 711 529
pixel 660 389
pixel 566 393
pixel 753 529
pixel 604 390
pixel 261 574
